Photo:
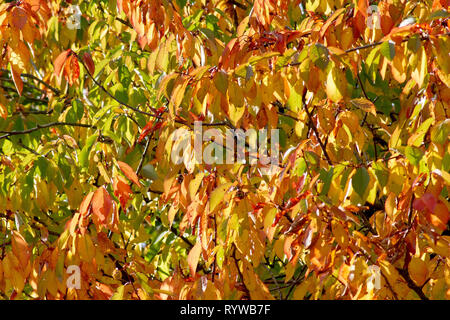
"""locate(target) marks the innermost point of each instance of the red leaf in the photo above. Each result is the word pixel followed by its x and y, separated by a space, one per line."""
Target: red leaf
pixel 128 172
pixel 258 206
pixel 145 131
pixel 427 201
pixel 87 59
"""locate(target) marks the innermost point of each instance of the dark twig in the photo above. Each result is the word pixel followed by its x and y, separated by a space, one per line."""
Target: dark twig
pixel 43 126
pixel 316 132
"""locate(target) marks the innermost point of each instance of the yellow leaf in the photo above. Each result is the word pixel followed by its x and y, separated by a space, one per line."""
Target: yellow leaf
pixel 302 289
pixel 194 184
pixel 217 195
pixel 418 270
pixel 335 84
pixel 420 72
pixel 340 234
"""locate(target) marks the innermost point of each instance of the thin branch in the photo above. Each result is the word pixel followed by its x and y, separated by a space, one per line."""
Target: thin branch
pixel 369 45
pixel 237 4
pixel 236 261
pixel 30 76
pixel 141 163
pixel 405 274
pixel 124 22
pixel 110 94
pixel 175 231
pixel 316 132
pixel 43 126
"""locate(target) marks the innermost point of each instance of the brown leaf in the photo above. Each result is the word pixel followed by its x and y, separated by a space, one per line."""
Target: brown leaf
pixel 365 105
pixel 87 59
pixel 18 18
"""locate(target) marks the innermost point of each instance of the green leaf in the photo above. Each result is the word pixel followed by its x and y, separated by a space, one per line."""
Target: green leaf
pixel 300 167
pixel 413 154
pixel 439 14
pixel 387 49
pixel 221 81
pixel 413 43
pixel 75 113
pixel 440 133
pixel 84 154
pixel 294 102
pixel 381 173
pixel 120 93
pixel 319 55
pixel 360 181
pixel 326 177
pixel 124 76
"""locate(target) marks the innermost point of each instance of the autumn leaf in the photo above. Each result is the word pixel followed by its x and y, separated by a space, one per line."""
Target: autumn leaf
pixel 146 130
pixel 102 206
pixel 193 257
pixel 84 207
pixel 60 61
pixel 365 105
pixel 122 190
pixel 20 249
pixel 129 173
pixel 87 59
pixel 347 101
pixel 18 18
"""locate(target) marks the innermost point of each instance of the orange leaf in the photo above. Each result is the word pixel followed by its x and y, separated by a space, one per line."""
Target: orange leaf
pixel 17 79
pixel 20 248
pixel 122 190
pixel 101 206
pixel 72 70
pixel 440 216
pixel 85 204
pixel 128 172
pixel 193 257
pixel 60 61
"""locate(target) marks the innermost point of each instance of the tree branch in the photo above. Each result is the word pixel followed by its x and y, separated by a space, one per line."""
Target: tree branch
pixel 110 94
pixel 404 273
pixel 316 132
pixel 43 126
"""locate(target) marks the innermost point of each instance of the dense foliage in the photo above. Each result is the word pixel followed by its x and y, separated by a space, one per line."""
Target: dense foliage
pixel 90 98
